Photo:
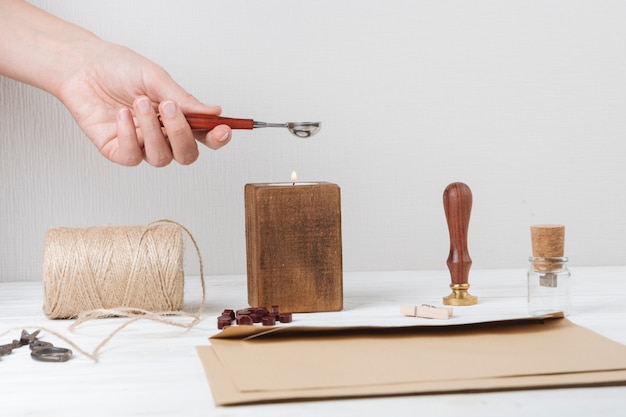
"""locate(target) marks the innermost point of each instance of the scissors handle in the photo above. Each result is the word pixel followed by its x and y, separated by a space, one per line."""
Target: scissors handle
pixel 51 354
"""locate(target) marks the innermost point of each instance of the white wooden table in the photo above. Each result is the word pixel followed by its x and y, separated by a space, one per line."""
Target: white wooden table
pixel 151 369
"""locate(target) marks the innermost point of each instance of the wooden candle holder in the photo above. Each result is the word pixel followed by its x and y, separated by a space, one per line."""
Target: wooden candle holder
pixel 293 246
pixel 457 204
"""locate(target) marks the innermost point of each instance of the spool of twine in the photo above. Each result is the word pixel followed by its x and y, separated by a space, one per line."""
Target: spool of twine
pixel 548 241
pixel 122 268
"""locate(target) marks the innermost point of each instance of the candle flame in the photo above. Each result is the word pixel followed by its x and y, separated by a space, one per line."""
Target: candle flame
pixel 294 177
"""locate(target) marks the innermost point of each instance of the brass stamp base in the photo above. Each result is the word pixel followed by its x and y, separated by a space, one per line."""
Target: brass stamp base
pixel 460 296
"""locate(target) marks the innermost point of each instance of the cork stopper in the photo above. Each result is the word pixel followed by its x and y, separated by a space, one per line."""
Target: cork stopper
pixel 548 241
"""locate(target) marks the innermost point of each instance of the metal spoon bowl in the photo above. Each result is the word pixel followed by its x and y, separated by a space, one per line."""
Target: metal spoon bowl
pixel 300 129
pixel 304 129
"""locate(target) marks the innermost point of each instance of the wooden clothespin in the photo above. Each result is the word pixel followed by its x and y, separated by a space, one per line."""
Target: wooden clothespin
pixel 427 311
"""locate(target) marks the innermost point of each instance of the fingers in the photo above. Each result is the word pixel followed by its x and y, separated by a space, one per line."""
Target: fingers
pixel 181 140
pixel 160 137
pixel 157 151
pixel 128 151
pixel 215 138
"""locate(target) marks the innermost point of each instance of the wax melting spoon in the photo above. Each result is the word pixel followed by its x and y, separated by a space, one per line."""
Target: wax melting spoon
pixel 208 122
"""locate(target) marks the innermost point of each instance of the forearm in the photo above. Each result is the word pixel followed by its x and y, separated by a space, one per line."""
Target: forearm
pixel 40 49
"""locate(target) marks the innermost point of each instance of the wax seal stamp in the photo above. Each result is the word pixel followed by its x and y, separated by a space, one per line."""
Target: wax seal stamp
pixel 457 204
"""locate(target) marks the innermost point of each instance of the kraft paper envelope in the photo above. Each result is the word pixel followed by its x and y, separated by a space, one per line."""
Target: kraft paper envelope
pixel 253 364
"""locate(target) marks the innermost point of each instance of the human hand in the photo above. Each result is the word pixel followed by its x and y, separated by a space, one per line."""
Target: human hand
pixel 116 95
pixel 100 82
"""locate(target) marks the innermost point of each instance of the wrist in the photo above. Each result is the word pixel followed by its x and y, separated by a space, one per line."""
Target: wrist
pixel 72 63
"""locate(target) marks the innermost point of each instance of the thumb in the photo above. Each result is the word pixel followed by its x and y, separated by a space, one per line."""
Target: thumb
pixel 189 104
pixel 168 89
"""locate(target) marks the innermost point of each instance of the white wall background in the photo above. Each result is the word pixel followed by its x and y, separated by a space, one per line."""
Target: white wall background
pixel 525 101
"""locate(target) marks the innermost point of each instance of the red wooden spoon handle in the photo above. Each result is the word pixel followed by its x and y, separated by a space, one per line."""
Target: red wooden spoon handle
pixel 208 122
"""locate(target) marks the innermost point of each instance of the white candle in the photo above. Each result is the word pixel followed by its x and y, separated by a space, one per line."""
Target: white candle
pixel 293 182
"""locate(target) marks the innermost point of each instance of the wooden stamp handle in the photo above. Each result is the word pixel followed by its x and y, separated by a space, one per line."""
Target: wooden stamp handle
pixel 457 203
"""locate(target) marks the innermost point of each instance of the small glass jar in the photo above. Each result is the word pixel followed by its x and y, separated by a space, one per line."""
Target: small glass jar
pixel 549 286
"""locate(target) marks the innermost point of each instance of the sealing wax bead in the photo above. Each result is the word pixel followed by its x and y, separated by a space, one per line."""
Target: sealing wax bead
pixel 244 312
pixel 257 313
pixel 269 320
pixel 284 317
pixel 257 317
pixel 230 313
pixel 224 321
pixel 244 319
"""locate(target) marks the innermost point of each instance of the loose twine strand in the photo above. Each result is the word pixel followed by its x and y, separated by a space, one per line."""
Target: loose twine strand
pixel 132 313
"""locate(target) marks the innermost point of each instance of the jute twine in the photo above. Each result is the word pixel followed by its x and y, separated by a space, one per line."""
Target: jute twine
pixel 129 271
pixel 111 267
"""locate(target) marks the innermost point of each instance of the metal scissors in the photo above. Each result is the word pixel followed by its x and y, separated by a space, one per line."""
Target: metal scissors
pixel 41 351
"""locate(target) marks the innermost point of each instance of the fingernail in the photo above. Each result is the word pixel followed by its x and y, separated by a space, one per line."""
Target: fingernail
pixel 169 109
pixel 224 138
pixel 143 105
pixel 124 115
